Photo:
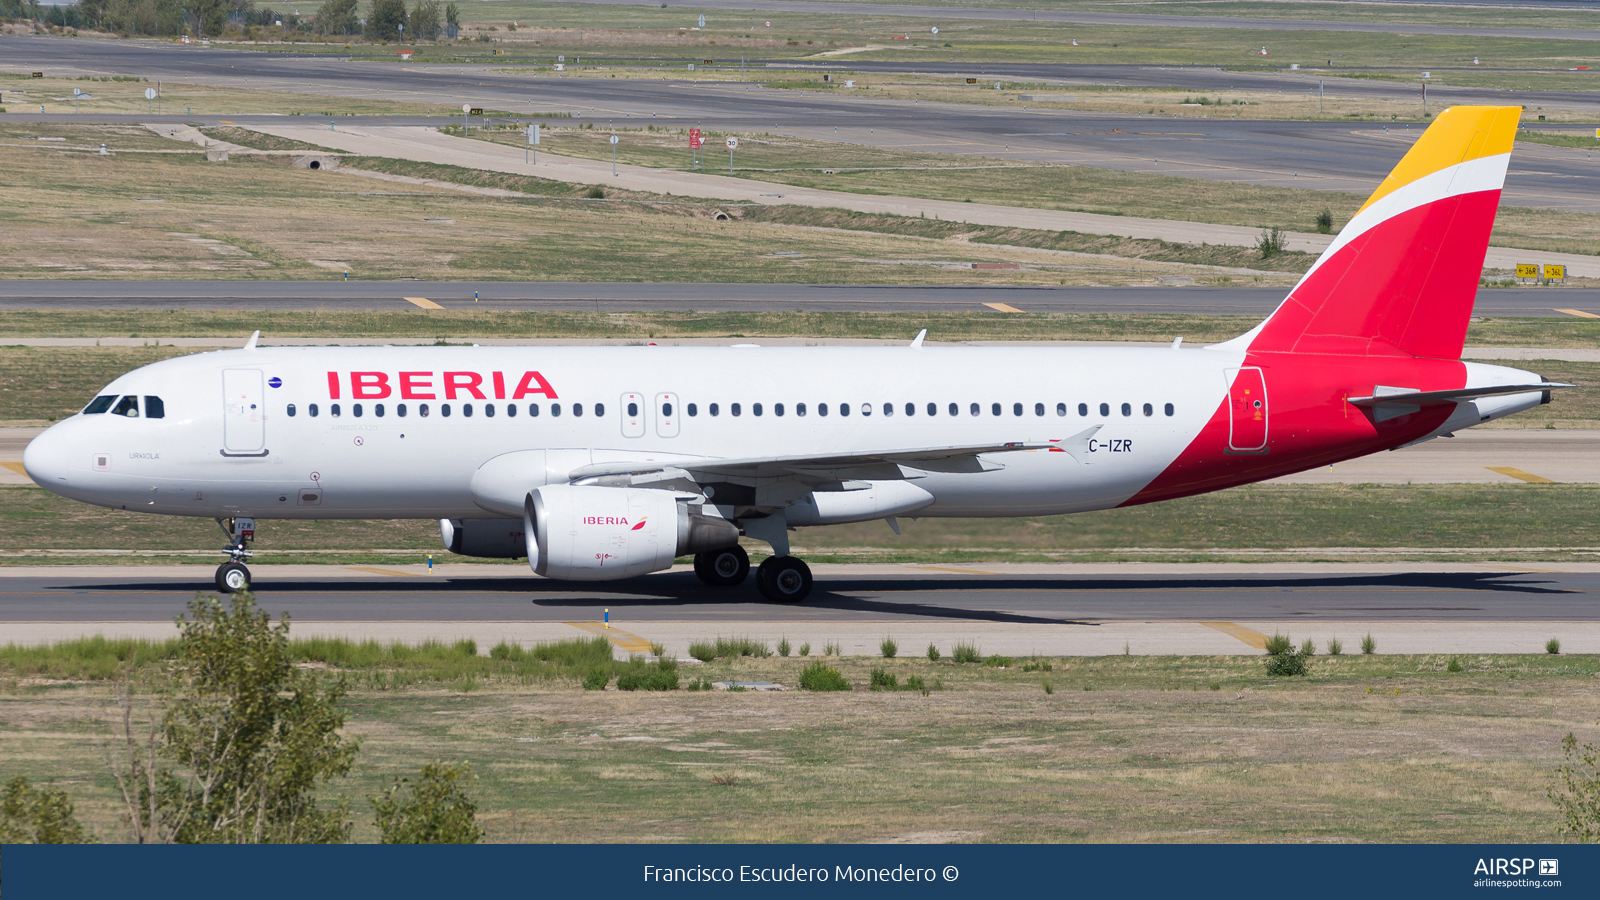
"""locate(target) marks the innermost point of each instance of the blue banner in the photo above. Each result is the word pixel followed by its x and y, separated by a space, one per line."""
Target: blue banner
pixel 125 872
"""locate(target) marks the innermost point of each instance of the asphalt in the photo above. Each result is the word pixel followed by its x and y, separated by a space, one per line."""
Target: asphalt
pixel 274 296
pixel 1315 155
pixel 841 594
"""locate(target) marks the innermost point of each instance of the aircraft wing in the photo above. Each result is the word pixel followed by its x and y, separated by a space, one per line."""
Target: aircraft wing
pixel 1438 398
pixel 959 458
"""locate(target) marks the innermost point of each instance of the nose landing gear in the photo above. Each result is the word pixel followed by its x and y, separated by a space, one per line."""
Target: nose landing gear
pixel 232 576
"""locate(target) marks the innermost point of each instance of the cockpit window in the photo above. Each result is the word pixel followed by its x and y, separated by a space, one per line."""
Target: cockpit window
pixel 99 404
pixel 154 408
pixel 127 406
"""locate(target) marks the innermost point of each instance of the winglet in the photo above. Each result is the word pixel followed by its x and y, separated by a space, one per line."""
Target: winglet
pixel 251 344
pixel 917 343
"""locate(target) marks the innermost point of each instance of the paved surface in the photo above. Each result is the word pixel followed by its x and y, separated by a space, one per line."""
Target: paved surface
pixel 1317 155
pixel 628 297
pixel 1052 610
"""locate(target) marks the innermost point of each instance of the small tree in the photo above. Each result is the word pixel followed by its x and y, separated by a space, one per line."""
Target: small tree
pixel 425 20
pixel 337 17
pixel 452 19
pixel 1576 792
pixel 1271 242
pixel 30 815
pixel 384 18
pixel 433 810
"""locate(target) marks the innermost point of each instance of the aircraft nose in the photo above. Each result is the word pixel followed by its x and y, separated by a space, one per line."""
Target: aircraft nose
pixel 46 459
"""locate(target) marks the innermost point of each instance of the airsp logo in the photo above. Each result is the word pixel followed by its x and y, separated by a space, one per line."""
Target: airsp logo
pixel 1516 867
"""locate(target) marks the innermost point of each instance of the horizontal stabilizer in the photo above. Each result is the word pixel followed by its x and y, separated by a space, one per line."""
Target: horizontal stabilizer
pixel 1439 398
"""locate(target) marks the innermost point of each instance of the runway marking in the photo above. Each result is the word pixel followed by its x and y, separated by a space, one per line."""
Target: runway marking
pixel 1006 307
pixel 1579 313
pixel 377 571
pixel 16 467
pixel 423 302
pixel 957 571
pixel 1520 475
pixel 1250 636
pixel 629 642
pixel 1523 569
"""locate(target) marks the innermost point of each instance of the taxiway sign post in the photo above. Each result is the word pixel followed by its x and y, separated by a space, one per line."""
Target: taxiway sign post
pixel 613 156
pixel 733 144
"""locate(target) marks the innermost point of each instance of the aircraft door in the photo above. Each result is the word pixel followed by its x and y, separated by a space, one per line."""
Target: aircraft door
pixel 667 413
pixel 1247 410
pixel 633 411
pixel 244 416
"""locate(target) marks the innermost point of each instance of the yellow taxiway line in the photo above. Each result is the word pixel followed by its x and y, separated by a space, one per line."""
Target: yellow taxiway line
pixel 1249 635
pixel 629 642
pixel 1579 313
pixel 1006 307
pixel 1520 475
pixel 423 302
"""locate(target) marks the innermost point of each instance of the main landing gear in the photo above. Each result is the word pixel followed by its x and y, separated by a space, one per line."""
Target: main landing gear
pixel 232 576
pixel 781 579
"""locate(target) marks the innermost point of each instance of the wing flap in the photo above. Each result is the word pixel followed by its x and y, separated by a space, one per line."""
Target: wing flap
pixel 941 459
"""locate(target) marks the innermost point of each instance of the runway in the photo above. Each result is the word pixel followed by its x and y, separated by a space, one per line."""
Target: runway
pixel 1053 610
pixel 1341 156
pixel 277 296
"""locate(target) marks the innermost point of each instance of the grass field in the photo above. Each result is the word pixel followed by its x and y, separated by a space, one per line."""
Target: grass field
pixel 125 97
pixel 1140 749
pixel 1331 522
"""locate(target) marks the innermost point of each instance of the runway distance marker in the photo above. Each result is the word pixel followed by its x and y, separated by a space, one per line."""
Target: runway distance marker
pixel 1249 635
pixel 1003 307
pixel 1520 475
pixel 423 302
pixel 1579 313
pixel 629 642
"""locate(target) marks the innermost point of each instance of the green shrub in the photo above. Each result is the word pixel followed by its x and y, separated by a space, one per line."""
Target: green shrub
pixel 597 679
pixel 30 815
pixel 596 193
pixel 888 648
pixel 1335 647
pixel 1216 685
pixel 832 648
pixel 433 810
pixel 805 649
pixel 700 684
pixel 1576 793
pixel 1271 242
pixel 705 651
pixel 965 653
pixel 659 650
pixel 648 679
pixel 915 683
pixel 1278 644
pixel 728 648
pixel 783 646
pixel 1038 665
pixel 1048 687
pixel 1552 646
pixel 884 681
pixel 933 652
pixel 1287 663
pixel 999 662
pixel 1368 645
pixel 821 677
pixel 1308 647
pixel 1454 665
pixel 1325 221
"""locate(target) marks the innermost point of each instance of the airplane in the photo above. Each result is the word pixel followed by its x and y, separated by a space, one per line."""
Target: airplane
pixel 603 462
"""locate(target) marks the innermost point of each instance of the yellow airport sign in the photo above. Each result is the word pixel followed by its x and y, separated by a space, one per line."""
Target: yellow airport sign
pixel 1527 270
pixel 1558 273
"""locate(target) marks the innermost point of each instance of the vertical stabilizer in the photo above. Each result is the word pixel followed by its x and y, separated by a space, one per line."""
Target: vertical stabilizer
pixel 1401 278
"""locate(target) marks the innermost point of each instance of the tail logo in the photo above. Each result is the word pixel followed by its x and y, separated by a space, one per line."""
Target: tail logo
pixel 640 524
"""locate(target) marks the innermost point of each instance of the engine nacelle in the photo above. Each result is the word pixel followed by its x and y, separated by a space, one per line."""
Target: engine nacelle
pixel 486 538
pixel 591 533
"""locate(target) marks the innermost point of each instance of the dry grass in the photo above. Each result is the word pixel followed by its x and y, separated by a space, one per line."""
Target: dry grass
pixel 1385 749
pixel 127 97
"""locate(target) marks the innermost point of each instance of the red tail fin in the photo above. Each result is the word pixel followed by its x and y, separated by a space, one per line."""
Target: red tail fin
pixel 1401 278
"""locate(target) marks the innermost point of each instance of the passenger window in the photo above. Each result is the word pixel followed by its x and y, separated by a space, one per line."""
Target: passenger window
pixel 600 409
pixel 694 410
pixel 844 409
pixel 466 410
pixel 994 409
pixel 511 411
pixel 911 409
pixel 99 404
pixel 1061 409
pixel 755 408
pixel 444 410
pixel 291 410
pixel 799 409
pixel 422 410
pixel 1016 409
pixel 1038 409
pixel 866 409
pixel 355 410
pixel 955 410
pixel 734 409
pixel 714 409
pixel 1168 409
pixel 555 410
pixel 313 408
pixel 975 409
pixel 777 409
pixel 888 409
pixel 822 409
pixel 933 409
pixel 633 410
pixel 333 410
pixel 488 410
pixel 154 408
pixel 400 410
pixel 1149 410
pixel 377 410
pixel 1127 409
pixel 1105 409
pixel 533 410
pixel 127 406
pixel 1083 409
pixel 666 409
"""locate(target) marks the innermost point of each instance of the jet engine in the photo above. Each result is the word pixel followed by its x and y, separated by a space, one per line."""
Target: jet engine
pixel 486 538
pixel 593 533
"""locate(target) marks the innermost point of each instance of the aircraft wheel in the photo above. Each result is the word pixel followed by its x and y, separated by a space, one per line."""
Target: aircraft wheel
pixel 233 577
pixel 784 579
pixel 722 568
